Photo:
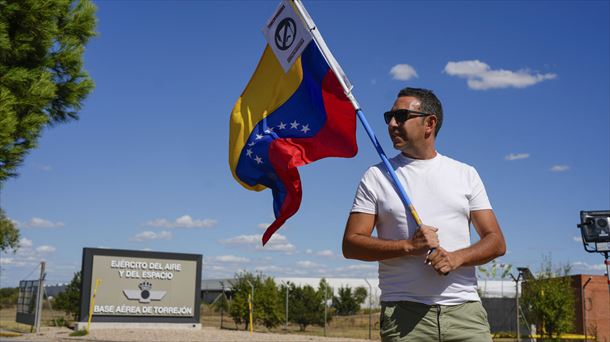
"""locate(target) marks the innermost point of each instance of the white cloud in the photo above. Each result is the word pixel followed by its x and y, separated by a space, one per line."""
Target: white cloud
pixel 589 267
pixel 517 156
pixel 215 268
pixel 263 225
pixel 25 243
pixel 27 255
pixel 480 76
pixel 149 235
pixel 306 264
pixel 45 249
pixel 231 259
pixel 277 243
pixel 577 238
pixel 559 168
pixel 403 72
pixel 269 268
pixel 308 251
pixel 325 253
pixel 243 239
pixel 37 222
pixel 287 248
pixel 185 221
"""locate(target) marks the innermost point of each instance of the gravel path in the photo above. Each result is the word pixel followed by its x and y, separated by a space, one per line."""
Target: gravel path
pixel 162 335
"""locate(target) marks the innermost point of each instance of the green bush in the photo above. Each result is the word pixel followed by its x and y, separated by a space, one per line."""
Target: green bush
pixel 267 302
pixel 549 300
pixel 69 299
pixel 8 297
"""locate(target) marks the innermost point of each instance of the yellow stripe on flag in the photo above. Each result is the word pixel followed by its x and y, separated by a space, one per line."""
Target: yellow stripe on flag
pixel 267 90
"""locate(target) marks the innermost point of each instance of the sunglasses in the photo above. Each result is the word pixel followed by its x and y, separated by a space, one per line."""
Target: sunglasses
pixel 402 115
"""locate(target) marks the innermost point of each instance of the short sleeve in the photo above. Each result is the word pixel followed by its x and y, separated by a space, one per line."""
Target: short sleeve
pixel 477 199
pixel 365 200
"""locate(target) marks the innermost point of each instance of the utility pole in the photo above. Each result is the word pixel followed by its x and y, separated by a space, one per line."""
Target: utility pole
pixel 286 326
pixel 584 308
pixel 325 308
pixel 517 302
pixel 222 304
pixel 39 299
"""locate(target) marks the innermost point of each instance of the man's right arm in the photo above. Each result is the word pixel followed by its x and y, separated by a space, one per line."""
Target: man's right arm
pixel 358 242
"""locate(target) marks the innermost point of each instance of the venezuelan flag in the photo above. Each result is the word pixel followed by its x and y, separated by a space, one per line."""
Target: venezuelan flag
pixel 284 120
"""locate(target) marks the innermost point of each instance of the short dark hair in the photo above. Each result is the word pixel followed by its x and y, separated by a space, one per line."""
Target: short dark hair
pixel 429 103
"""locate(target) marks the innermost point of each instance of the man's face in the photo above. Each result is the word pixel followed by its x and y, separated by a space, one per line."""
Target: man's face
pixel 405 135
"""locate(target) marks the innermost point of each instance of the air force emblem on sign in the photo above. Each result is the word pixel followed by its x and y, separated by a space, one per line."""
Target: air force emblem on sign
pixel 144 294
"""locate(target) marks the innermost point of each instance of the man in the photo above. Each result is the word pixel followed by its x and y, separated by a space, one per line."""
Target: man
pixel 424 297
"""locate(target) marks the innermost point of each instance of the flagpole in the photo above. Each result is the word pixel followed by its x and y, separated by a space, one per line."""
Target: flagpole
pixel 347 88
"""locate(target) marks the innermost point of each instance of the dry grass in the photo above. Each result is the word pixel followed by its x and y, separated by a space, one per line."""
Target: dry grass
pixel 356 326
pixel 8 319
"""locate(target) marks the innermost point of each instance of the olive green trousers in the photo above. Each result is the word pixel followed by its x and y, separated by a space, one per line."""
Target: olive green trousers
pixel 410 321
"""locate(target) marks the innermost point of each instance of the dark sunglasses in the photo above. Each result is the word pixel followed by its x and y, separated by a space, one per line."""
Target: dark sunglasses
pixel 402 115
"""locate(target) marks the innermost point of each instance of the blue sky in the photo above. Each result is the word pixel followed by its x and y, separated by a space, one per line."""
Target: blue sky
pixel 525 88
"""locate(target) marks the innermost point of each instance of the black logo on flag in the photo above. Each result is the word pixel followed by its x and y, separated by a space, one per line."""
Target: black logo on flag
pixel 285 33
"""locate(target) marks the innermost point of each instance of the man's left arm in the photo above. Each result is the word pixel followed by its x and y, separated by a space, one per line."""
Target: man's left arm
pixel 490 245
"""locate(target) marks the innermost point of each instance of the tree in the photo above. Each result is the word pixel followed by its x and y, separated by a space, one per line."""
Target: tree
pixel 325 292
pixel 9 234
pixel 549 300
pixel 69 299
pixel 239 304
pixel 306 306
pixel 42 81
pixel 267 303
pixel 348 303
pixel 8 297
pixel 360 294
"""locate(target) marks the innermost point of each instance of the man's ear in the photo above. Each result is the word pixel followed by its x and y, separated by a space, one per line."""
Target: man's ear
pixel 430 122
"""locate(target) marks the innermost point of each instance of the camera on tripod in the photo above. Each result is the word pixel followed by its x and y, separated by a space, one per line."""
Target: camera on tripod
pixel 595 230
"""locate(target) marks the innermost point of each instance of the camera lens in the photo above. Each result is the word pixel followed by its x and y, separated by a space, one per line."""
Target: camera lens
pixel 602 223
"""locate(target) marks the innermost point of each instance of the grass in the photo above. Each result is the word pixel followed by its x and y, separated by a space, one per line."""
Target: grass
pixel 356 326
pixel 49 318
pixel 79 333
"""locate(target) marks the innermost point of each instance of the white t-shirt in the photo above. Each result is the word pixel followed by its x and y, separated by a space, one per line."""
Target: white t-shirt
pixel 444 192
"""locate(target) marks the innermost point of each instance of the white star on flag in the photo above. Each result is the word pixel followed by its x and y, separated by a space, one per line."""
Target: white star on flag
pixel 281 125
pixel 249 153
pixel 258 160
pixel 251 144
pixel 305 128
pixel 259 136
pixel 294 124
